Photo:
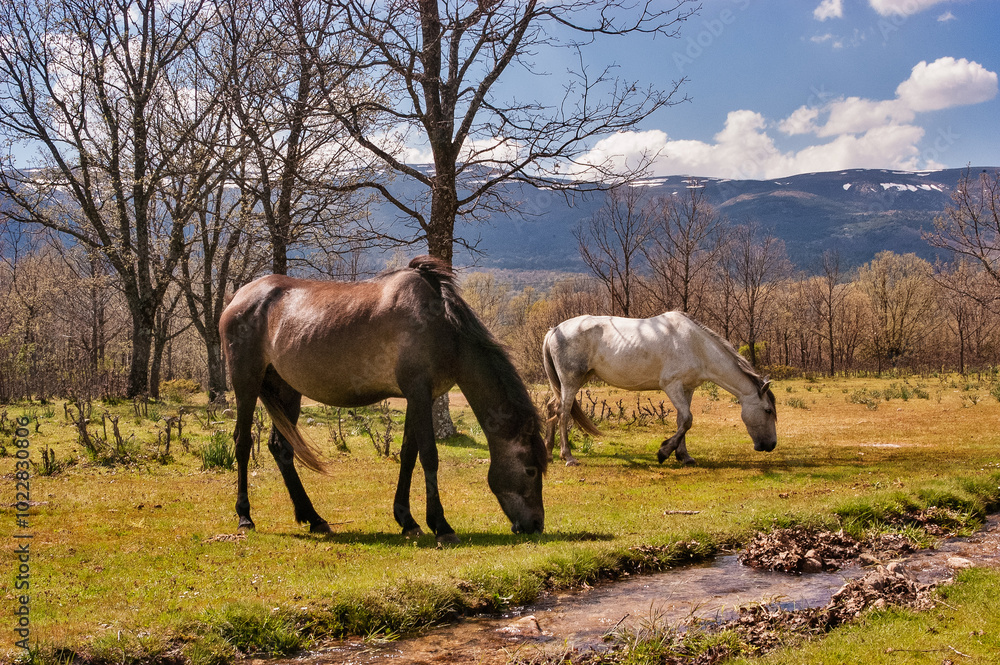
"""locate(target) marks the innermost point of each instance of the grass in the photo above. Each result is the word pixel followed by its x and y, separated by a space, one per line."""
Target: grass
pixel 123 552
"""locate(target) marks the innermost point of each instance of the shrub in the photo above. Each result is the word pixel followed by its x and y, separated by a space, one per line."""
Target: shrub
pixel 780 372
pixel 178 390
pixel 219 453
pixel 863 396
pixel 796 403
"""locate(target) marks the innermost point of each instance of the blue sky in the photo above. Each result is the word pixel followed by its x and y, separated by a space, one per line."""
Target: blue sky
pixel 780 87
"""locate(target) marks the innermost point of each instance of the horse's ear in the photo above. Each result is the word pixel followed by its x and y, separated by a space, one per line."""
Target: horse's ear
pixel 764 387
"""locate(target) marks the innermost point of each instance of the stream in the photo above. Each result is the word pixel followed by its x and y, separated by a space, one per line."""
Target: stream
pixel 578 620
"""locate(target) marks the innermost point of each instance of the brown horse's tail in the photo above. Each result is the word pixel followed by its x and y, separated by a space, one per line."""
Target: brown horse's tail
pixel 304 452
pixel 579 415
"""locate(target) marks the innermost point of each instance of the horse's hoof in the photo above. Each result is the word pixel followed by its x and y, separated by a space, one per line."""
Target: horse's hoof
pixel 660 457
pixel 448 539
pixel 246 525
pixel 688 461
pixel 415 532
pixel 572 462
pixel 320 527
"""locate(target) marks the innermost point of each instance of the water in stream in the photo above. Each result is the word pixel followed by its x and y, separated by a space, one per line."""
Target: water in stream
pixel 578 620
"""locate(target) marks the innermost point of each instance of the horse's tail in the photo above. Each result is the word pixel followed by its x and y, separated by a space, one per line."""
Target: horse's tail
pixel 457 312
pixel 579 415
pixel 304 452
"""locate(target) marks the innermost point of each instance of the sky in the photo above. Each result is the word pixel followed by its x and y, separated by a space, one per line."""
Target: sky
pixel 779 88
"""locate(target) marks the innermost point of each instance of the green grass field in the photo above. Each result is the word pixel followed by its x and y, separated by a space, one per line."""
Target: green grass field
pixel 146 555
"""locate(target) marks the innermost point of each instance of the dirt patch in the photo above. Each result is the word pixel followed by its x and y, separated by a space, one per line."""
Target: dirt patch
pixel 799 550
pixel 763 628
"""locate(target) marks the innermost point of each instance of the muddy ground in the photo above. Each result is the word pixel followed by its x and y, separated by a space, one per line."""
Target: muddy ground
pixel 898 575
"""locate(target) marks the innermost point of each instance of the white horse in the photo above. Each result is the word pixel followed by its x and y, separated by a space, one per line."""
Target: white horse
pixel 671 352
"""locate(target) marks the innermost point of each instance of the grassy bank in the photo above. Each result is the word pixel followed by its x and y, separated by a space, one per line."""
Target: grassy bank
pixel 142 551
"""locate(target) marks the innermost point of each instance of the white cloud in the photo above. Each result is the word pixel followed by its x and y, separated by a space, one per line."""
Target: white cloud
pixel 834 41
pixel 947 16
pixel 903 7
pixel 854 115
pixel 945 83
pixel 802 121
pixel 850 132
pixel 829 9
pixel 743 149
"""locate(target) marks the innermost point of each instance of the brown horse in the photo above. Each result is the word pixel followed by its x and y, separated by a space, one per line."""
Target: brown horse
pixel 407 334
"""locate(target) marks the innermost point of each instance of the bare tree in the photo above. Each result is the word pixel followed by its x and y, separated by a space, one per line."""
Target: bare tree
pixel 292 155
pixel 757 264
pixel 92 84
pixel 825 298
pixel 685 244
pixel 971 227
pixel 437 65
pixel 611 243
pixel 966 296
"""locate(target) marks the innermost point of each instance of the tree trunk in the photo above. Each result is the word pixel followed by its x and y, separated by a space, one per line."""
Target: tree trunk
pixel 216 367
pixel 155 366
pixel 142 344
pixel 440 243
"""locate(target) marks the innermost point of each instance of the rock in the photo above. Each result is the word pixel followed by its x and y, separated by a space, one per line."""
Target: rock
pixel 868 560
pixel 812 565
pixel 898 569
pixel 958 563
pixel 523 627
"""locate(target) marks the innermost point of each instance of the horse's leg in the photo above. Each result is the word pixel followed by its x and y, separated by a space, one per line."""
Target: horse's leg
pixel 552 414
pixel 246 402
pixel 407 460
pixel 246 386
pixel 290 402
pixel 569 390
pixel 680 397
pixel 418 438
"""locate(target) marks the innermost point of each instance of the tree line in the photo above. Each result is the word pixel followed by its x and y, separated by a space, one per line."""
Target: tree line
pixel 65 317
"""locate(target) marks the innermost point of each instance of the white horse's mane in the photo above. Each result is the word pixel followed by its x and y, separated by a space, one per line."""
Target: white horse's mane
pixel 741 362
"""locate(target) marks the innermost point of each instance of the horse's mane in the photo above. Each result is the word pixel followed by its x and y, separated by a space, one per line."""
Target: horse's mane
pixel 525 420
pixel 741 362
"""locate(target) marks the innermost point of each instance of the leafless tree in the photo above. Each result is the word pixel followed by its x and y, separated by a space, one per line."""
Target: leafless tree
pixel 971 226
pixel 611 244
pixel 965 294
pixel 685 244
pixel 825 298
pixel 756 263
pixel 91 84
pixel 291 150
pixel 437 65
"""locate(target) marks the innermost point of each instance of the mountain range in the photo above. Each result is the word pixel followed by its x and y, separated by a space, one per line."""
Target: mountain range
pixel 857 212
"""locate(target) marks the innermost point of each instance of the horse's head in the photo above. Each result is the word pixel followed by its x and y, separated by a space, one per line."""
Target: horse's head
pixel 760 416
pixel 516 480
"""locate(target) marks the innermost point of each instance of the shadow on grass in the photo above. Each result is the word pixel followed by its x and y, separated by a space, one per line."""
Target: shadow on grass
pixel 469 538
pixel 462 441
pixel 759 461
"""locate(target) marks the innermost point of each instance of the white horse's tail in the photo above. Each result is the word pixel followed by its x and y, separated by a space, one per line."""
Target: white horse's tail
pixel 552 417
